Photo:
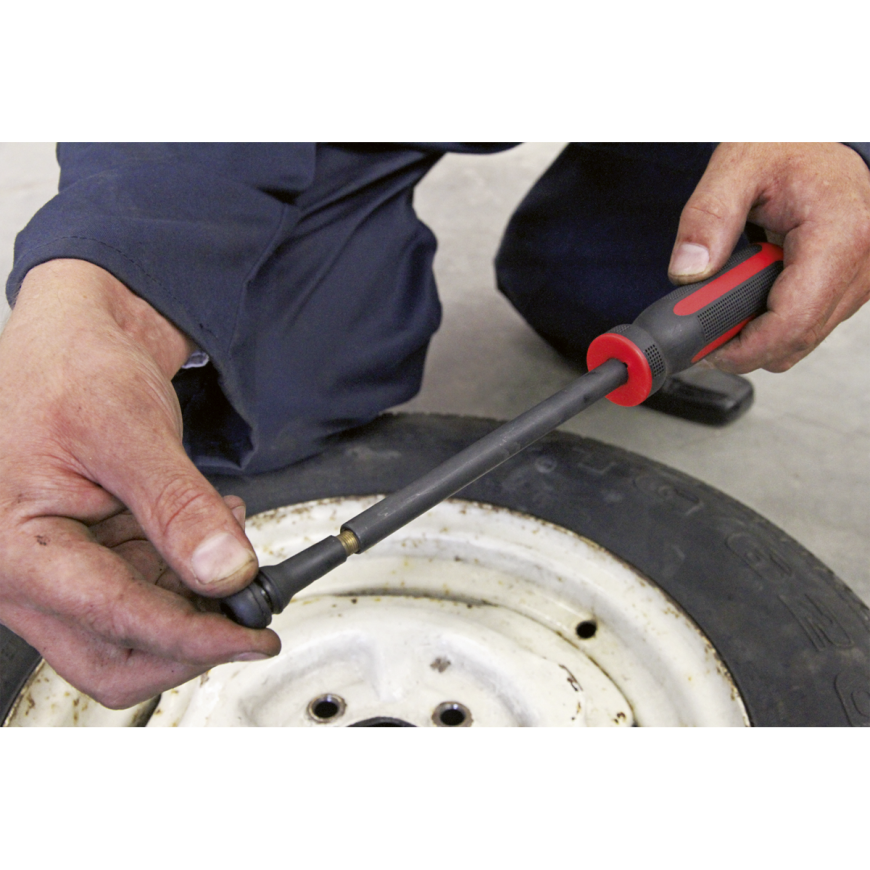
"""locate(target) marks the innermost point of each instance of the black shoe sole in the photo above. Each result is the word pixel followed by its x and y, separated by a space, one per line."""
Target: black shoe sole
pixel 704 396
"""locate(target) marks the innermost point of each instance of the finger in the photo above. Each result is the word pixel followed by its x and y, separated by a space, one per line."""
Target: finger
pixel 117 530
pixel 143 558
pixel 182 514
pixel 123 534
pixel 95 589
pixel 151 566
pixel 123 526
pixel 114 676
pixel 812 295
pixel 238 507
pixel 714 217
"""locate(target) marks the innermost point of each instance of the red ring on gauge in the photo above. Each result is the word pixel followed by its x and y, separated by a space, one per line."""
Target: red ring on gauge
pixel 612 346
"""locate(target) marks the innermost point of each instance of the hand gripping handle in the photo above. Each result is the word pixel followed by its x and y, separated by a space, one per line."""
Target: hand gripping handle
pixel 683 327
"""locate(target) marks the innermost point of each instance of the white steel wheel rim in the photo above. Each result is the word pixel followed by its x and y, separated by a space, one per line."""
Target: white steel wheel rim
pixel 470 615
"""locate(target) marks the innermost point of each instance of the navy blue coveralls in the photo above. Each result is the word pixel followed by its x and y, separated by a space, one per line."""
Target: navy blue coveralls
pixel 305 275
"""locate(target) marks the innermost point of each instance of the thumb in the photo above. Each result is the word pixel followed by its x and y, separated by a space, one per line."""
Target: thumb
pixel 188 522
pixel 713 218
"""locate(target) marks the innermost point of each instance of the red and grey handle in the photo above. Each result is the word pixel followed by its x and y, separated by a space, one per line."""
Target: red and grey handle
pixel 687 324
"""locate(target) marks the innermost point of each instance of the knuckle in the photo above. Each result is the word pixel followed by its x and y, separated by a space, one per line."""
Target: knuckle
pixel 801 343
pixel 99 618
pixel 783 365
pixel 200 650
pixel 807 339
pixel 180 498
pixel 121 698
pixel 104 687
pixel 112 697
pixel 234 501
pixel 706 206
pixel 188 647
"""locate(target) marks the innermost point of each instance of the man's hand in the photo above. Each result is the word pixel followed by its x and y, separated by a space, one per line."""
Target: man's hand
pixel 814 200
pixel 108 534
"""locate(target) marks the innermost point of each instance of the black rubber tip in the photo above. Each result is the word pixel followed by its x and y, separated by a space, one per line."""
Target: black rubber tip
pixel 250 607
pixel 282 581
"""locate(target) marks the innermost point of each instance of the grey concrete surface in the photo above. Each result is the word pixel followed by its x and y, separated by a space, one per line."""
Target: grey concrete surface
pixel 801 457
pixel 28 179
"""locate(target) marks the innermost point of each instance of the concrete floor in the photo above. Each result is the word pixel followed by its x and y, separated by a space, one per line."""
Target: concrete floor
pixel 800 457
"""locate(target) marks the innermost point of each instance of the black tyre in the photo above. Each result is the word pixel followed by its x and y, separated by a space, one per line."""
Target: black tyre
pixel 795 639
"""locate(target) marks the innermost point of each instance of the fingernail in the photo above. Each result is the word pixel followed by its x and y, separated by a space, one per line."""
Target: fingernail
pixel 219 557
pixel 689 259
pixel 251 657
pixel 239 514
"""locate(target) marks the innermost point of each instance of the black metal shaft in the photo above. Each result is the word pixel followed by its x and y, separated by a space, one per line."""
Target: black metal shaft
pixel 399 508
pixel 275 585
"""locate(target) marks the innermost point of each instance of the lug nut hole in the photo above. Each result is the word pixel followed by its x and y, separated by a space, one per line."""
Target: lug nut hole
pixel 326 707
pixel 587 629
pixel 452 714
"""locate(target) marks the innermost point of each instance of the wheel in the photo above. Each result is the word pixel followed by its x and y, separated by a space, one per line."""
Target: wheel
pixel 576 584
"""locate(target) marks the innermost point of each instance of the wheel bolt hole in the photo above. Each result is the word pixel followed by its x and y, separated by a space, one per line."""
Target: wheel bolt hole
pixel 587 629
pixel 451 714
pixel 452 717
pixel 326 707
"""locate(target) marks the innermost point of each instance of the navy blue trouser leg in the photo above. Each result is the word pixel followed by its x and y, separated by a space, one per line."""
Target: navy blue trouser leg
pixel 334 323
pixel 588 248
